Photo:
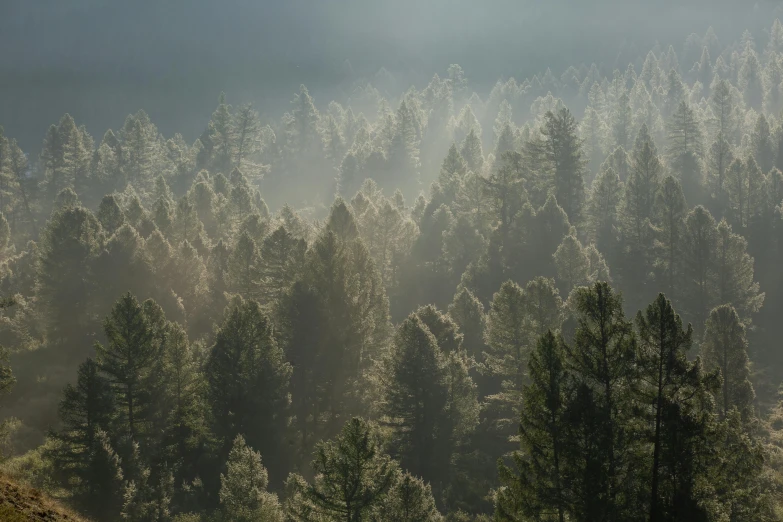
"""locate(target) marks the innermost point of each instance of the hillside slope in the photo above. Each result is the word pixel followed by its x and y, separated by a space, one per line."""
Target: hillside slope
pixel 20 503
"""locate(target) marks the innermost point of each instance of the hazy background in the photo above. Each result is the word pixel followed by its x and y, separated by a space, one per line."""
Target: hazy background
pixel 101 59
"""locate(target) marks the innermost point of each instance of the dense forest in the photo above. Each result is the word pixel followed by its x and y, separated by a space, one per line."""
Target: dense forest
pixel 558 300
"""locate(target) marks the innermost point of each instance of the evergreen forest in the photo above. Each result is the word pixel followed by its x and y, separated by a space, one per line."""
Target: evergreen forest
pixel 556 299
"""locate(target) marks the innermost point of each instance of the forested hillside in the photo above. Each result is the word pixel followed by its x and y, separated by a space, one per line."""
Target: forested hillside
pixel 559 300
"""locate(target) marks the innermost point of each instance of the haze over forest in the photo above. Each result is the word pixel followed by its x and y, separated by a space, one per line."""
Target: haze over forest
pixel 393 261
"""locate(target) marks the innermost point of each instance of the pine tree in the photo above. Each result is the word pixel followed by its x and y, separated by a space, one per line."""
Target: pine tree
pixel 508 337
pixel 562 172
pixel 537 485
pixel 505 191
pixel 472 152
pixel 699 244
pixel 745 191
pixel 110 215
pixel 749 79
pixel 641 190
pixel 445 330
pixel 247 384
pixel 451 173
pixel 719 160
pixel 281 263
pixel 686 150
pixel 243 268
pixel 573 265
pixel 181 406
pixel 677 423
pixel 641 187
pixel 416 397
pixel 247 134
pixel 69 245
pixel 222 136
pixel 409 500
pixel 724 108
pixel 85 410
pixel 761 144
pixel 127 361
pixel 603 211
pixel 670 224
pixel 620 122
pixel 741 487
pixel 467 312
pixel 592 130
pixel 725 347
pixel 733 283
pixel 303 133
pixel 243 488
pixel 100 495
pixel 140 149
pixel 353 477
pixel 601 360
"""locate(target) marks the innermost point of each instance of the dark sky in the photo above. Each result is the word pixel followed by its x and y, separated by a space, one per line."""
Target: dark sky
pixel 101 59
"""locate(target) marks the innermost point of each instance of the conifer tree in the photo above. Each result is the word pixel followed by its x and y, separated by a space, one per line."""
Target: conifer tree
pixel 509 341
pixel 749 79
pixel 247 384
pixel 416 397
pixel 181 405
pixel 564 164
pixel 734 277
pixel 65 289
pixel 243 267
pixel 641 190
pixel 699 244
pixel 686 150
pixel 101 495
pixel 572 262
pixel 451 173
pixel 745 191
pixel 719 159
pixel 603 210
pixel 247 136
pixel 243 488
pixel 409 500
pixel 353 477
pixel 620 122
pixel 602 362
pixel 725 347
pixel 282 259
pixel 538 485
pixel 222 136
pixel 467 312
pixel 761 144
pixel 670 224
pixel 110 215
pixel 472 152
pixel 127 361
pixel 723 107
pixel 122 267
pixel 675 387
pixel 85 410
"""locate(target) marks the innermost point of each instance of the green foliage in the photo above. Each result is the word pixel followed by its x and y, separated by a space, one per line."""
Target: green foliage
pixel 247 384
pixel 271 335
pixel 353 478
pixel 243 493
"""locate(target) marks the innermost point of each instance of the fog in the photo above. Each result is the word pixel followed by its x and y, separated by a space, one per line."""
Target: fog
pixel 103 60
pixel 391 261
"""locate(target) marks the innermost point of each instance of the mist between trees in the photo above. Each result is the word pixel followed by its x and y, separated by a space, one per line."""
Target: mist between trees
pixel 558 303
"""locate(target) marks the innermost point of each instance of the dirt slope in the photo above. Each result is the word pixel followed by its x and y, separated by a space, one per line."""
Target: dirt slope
pixel 20 503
